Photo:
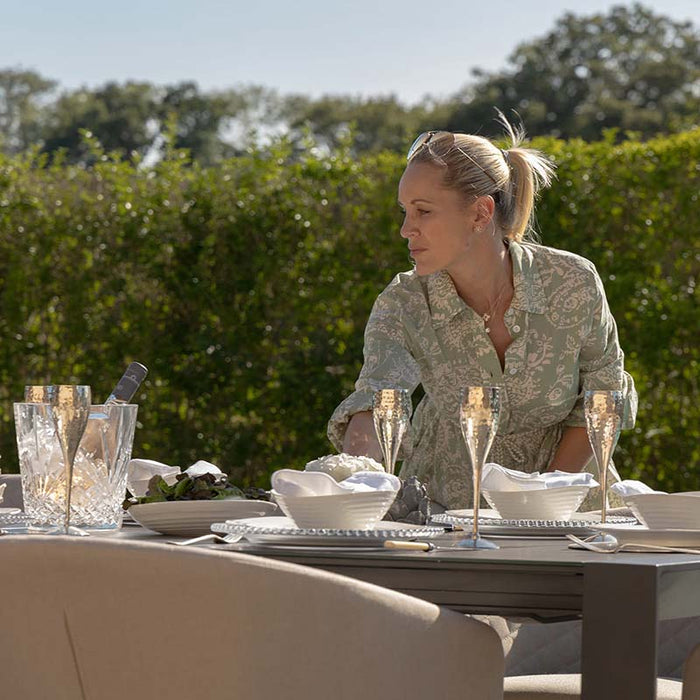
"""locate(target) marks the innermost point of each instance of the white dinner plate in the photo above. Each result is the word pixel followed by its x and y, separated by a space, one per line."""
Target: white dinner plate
pixel 9 511
pixel 660 538
pixel 281 530
pixel 192 518
pixel 583 524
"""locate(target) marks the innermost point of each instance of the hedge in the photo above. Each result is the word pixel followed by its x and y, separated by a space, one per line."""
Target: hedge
pixel 245 289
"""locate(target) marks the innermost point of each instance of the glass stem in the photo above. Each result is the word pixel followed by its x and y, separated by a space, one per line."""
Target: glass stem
pixel 69 484
pixel 604 492
pixel 476 480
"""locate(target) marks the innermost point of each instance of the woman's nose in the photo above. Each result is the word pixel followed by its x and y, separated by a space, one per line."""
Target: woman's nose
pixel 407 228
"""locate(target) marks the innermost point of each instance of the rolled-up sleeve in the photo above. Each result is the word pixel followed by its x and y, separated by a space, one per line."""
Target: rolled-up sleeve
pixel 601 362
pixel 388 363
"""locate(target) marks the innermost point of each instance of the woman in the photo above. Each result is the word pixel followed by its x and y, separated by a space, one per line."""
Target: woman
pixel 481 306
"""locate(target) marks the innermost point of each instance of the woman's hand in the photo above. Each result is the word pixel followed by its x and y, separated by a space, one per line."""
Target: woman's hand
pixel 574 451
pixel 361 438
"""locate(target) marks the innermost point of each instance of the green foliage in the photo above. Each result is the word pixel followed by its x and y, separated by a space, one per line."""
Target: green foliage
pixel 118 115
pixel 21 93
pixel 630 69
pixel 245 289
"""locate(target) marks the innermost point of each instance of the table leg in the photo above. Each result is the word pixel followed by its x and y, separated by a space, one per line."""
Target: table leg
pixel 619 638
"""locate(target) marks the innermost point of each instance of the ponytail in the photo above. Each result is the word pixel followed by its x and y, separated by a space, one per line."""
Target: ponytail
pixel 530 171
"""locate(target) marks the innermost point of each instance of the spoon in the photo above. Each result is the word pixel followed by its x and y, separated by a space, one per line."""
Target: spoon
pixel 614 547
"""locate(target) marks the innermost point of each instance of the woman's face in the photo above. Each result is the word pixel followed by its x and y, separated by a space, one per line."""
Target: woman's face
pixel 438 226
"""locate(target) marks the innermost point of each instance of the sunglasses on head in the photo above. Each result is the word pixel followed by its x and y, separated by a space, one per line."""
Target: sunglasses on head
pixel 423 140
pixel 427 136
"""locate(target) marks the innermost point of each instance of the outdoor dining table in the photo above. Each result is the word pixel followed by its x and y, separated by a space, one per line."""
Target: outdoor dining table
pixel 619 597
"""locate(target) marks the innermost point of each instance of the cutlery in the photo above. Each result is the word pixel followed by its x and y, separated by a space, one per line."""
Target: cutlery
pixel 397 545
pixel 203 538
pixel 614 547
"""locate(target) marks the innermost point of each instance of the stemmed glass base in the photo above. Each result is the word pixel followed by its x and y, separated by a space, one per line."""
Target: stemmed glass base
pixel 479 543
pixel 602 538
pixel 70 530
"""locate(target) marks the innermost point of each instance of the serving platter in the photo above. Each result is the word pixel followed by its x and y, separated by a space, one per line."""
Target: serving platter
pixel 583 524
pixel 281 530
pixel 192 518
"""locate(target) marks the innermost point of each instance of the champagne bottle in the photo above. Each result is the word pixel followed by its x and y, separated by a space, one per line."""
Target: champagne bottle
pixel 127 386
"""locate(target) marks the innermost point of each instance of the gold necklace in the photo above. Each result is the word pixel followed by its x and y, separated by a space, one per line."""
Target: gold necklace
pixel 486 317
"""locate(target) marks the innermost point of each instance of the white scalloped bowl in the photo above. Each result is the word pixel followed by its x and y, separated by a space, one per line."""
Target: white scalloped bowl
pixel 352 511
pixel 540 504
pixel 666 511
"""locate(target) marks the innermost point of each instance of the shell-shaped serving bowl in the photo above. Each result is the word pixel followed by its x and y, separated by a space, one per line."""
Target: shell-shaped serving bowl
pixel 352 511
pixel 540 504
pixel 666 511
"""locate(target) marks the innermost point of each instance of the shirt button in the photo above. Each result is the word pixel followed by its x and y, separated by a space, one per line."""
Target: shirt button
pixel 512 370
pixel 516 329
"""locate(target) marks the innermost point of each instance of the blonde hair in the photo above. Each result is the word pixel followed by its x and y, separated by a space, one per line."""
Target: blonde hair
pixel 475 167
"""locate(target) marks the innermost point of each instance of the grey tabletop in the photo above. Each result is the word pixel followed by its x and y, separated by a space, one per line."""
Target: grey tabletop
pixel 619 597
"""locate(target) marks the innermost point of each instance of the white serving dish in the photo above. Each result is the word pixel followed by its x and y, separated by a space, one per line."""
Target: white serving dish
pixel 192 518
pixel 675 511
pixel 540 504
pixel 352 511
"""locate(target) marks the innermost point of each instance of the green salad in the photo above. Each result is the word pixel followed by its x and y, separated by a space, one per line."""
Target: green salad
pixel 206 487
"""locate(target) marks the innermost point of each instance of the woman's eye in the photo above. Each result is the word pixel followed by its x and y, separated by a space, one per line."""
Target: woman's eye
pixel 423 212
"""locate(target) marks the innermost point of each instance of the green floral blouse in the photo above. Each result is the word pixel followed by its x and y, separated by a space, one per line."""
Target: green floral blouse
pixel 564 341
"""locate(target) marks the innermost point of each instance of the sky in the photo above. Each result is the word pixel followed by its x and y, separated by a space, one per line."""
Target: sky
pixel 363 47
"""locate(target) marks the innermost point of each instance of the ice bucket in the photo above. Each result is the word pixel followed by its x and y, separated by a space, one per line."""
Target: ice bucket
pixel 99 474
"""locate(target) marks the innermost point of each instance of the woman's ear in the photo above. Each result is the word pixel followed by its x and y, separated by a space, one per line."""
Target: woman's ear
pixel 482 212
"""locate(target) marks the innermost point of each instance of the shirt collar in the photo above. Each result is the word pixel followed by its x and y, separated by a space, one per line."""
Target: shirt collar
pixel 443 298
pixel 528 294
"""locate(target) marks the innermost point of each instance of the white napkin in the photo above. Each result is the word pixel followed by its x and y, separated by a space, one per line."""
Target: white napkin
pixel 290 482
pixel 2 491
pixel 342 466
pixel 629 487
pixel 140 471
pixel 201 467
pixel 497 478
pixel 372 481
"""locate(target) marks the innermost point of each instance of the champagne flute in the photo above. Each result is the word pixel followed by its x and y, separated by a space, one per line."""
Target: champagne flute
pixel 391 410
pixel 478 417
pixel 604 411
pixel 38 393
pixel 70 410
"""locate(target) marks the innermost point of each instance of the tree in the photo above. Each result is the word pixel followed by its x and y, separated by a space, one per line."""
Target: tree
pixel 21 93
pixel 630 69
pixel 122 117
pixel 377 123
pixel 199 119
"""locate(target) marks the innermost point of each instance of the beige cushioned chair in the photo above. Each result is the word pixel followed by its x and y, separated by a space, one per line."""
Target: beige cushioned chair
pixel 549 650
pixel 691 676
pixel 107 619
pixel 567 686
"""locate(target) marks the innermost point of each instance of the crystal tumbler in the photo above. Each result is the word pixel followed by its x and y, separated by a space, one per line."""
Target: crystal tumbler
pixel 99 473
